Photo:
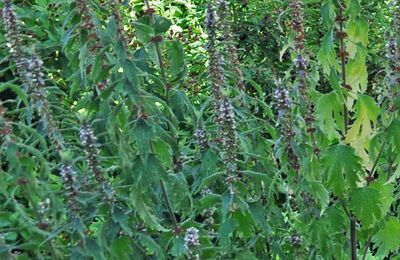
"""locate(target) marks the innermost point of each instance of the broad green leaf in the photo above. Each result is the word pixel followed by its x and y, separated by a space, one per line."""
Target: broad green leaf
pixel 121 248
pixel 342 168
pixel 367 206
pixel 357 30
pixel 144 211
pixel 329 114
pixel 245 224
pixel 176 61
pixel 225 231
pixel 356 71
pixel 151 245
pixel 142 133
pixel 361 132
pixel 354 7
pixel 144 32
pixel 387 240
pixel 327 54
pixel 320 193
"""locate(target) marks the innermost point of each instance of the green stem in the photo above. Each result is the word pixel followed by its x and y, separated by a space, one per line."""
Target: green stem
pixel 168 202
pixel 366 248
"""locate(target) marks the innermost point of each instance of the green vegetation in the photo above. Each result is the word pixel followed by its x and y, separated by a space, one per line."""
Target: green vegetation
pixel 200 129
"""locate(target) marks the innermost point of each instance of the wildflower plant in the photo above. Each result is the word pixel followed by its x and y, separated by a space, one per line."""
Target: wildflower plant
pixel 154 130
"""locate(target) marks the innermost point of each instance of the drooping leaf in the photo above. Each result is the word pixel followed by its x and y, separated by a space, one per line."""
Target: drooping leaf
pixel 342 168
pixel 329 115
pixel 367 205
pixel 387 239
pixel 326 54
pixel 361 132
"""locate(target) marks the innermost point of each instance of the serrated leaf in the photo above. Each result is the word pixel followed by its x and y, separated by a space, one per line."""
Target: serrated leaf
pixel 354 8
pixel 329 115
pixel 144 211
pixel 225 231
pixel 356 71
pixel 387 240
pixel 320 193
pixel 342 168
pixel 142 133
pixel 176 61
pixel 367 205
pixel 361 132
pixel 326 54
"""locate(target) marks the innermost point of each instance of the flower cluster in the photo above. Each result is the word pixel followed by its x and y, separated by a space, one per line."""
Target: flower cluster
pixel 231 50
pixel 201 136
pixel 44 206
pixel 5 127
pixel 393 55
pixel 90 146
pixel 69 179
pixel 13 36
pixel 295 239
pixel 223 105
pixel 192 242
pixel 118 20
pixel 34 78
pixel 284 114
pixel 298 23
pixel 215 68
pixel 29 68
pixel 87 23
pixel 300 63
pixel 229 136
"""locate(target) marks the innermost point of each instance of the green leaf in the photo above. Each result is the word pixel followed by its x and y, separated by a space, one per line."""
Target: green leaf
pixel 387 240
pixel 142 133
pixel 356 71
pixel 144 32
pixel 367 205
pixel 320 193
pixel 17 90
pixel 357 30
pixel 176 60
pixel 326 54
pixel 354 8
pixel 245 224
pixel 161 24
pixel 121 248
pixel 139 203
pixel 329 115
pixel 342 168
pixel 361 132
pixel 152 246
pixel 225 232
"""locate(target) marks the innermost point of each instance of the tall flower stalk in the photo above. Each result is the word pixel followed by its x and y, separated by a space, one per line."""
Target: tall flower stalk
pixel 13 37
pixel 71 186
pixel 393 56
pixel 90 146
pixel 223 105
pixel 115 12
pixel 300 63
pixel 87 23
pixel 284 105
pixel 229 44
pixel 30 70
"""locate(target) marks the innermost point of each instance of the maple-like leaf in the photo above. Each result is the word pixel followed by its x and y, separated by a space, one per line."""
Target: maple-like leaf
pixel 361 132
pixel 388 239
pixel 329 114
pixel 326 55
pixel 342 167
pixel 366 203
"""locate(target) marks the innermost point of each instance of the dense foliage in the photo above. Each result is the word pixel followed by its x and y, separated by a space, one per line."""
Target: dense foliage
pixel 200 129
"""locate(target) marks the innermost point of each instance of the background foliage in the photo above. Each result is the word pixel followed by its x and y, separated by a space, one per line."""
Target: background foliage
pixel 199 130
